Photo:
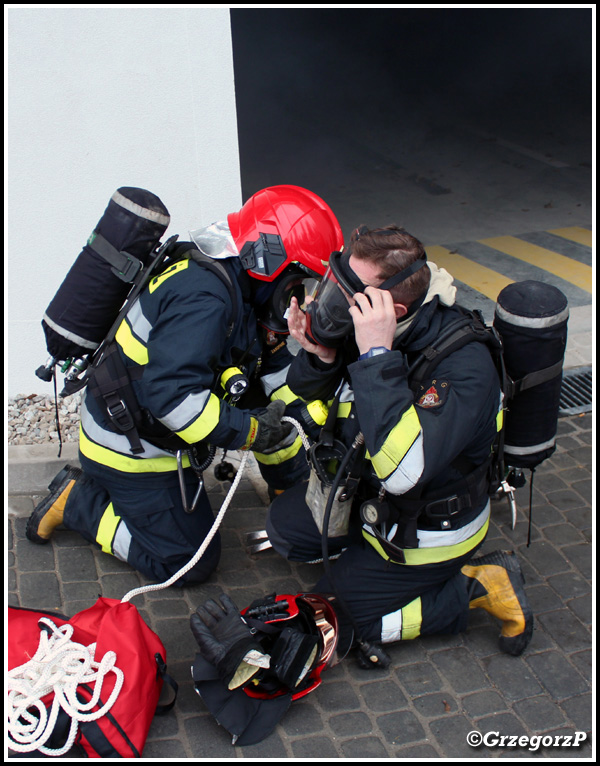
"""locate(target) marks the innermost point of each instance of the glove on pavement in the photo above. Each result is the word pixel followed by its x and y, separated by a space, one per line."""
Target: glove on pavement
pixel 225 640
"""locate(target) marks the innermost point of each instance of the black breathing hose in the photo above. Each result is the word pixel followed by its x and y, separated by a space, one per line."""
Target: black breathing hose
pixel 372 653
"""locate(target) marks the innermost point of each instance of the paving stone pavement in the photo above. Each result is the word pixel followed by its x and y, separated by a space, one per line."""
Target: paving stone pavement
pixel 437 689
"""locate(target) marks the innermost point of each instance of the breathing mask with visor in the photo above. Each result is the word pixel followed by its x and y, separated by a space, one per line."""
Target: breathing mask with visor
pixel 328 317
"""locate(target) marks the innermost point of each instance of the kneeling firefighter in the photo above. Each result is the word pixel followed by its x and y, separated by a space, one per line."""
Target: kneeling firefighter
pixel 412 432
pixel 198 361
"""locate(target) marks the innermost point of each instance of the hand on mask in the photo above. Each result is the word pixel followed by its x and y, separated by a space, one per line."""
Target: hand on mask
pixel 374 317
pixel 296 320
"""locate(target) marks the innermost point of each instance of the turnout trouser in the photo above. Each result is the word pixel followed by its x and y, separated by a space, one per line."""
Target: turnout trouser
pixel 389 601
pixel 140 519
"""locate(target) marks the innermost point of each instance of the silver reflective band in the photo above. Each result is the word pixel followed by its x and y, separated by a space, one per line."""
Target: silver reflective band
pixel 121 542
pixel 70 335
pixel 113 441
pixel 142 212
pixel 535 322
pixel 138 323
pixel 391 627
pixel 529 450
pixel 186 411
pixel 274 380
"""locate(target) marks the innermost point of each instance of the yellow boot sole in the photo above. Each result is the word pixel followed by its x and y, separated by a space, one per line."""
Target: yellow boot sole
pixel 48 514
pixel 500 574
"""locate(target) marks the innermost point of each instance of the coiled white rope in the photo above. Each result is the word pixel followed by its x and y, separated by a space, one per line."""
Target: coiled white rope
pixel 60 666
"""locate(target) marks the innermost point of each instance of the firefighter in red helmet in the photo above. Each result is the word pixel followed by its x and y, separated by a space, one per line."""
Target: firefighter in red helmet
pixel 204 358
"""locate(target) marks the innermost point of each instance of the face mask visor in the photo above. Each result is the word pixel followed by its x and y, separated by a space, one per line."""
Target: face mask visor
pixel 329 320
pixel 296 282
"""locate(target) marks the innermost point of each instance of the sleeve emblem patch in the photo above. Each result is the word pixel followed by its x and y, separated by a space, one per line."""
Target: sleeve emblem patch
pixel 435 395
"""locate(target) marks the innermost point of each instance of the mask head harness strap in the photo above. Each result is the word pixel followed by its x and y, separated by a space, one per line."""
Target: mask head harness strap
pixel 401 276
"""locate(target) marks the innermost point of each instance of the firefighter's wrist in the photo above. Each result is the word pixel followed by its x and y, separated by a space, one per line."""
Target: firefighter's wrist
pixel 252 434
pixel 374 351
pixel 323 364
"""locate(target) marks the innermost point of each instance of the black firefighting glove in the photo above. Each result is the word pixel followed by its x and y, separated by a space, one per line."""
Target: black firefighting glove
pixel 226 642
pixel 267 432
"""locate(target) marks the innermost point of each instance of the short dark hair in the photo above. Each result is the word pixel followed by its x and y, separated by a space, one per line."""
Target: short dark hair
pixel 392 248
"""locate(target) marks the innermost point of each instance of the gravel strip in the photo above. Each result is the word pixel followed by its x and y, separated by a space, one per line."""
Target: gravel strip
pixel 32 419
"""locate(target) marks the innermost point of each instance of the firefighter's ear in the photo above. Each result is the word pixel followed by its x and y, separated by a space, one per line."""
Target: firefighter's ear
pixel 401 310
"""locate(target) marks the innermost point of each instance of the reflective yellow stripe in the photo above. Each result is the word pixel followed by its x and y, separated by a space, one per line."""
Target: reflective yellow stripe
pixel 204 423
pixel 284 393
pixel 416 556
pixel 131 346
pixel 499 420
pixel 174 269
pixel 412 618
pixel 107 528
pixel 399 441
pixel 116 460
pixel 281 455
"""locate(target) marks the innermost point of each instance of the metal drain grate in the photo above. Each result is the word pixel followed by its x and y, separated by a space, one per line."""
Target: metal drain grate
pixel 576 391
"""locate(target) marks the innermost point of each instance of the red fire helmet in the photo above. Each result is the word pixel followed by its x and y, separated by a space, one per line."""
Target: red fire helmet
pixel 285 224
pixel 309 613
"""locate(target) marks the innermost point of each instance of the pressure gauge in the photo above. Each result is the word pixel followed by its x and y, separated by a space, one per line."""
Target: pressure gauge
pixel 374 512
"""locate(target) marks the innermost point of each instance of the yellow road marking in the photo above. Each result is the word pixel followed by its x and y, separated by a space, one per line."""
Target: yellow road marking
pixel 572 271
pixel 480 278
pixel 575 234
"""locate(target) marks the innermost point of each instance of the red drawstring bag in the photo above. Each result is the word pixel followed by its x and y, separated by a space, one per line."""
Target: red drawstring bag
pixel 114 626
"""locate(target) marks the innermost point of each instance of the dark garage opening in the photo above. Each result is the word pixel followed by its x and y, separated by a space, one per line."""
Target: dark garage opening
pixel 350 101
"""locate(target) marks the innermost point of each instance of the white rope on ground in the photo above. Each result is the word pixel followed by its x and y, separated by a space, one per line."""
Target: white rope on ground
pixel 216 524
pixel 200 552
pixel 60 666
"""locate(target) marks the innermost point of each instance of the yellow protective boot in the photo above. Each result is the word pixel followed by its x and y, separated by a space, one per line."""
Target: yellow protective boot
pixel 48 514
pixel 496 585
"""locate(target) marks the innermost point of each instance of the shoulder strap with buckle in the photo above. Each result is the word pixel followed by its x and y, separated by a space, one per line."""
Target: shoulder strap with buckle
pixel 465 329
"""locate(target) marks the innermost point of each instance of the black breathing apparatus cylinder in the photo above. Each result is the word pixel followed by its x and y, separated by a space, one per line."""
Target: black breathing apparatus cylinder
pixel 531 318
pixel 92 293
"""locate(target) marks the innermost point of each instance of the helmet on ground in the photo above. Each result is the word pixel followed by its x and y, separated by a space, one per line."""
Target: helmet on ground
pixel 301 635
pixel 281 225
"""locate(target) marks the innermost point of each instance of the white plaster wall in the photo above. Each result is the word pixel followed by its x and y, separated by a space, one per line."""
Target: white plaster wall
pixel 100 98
